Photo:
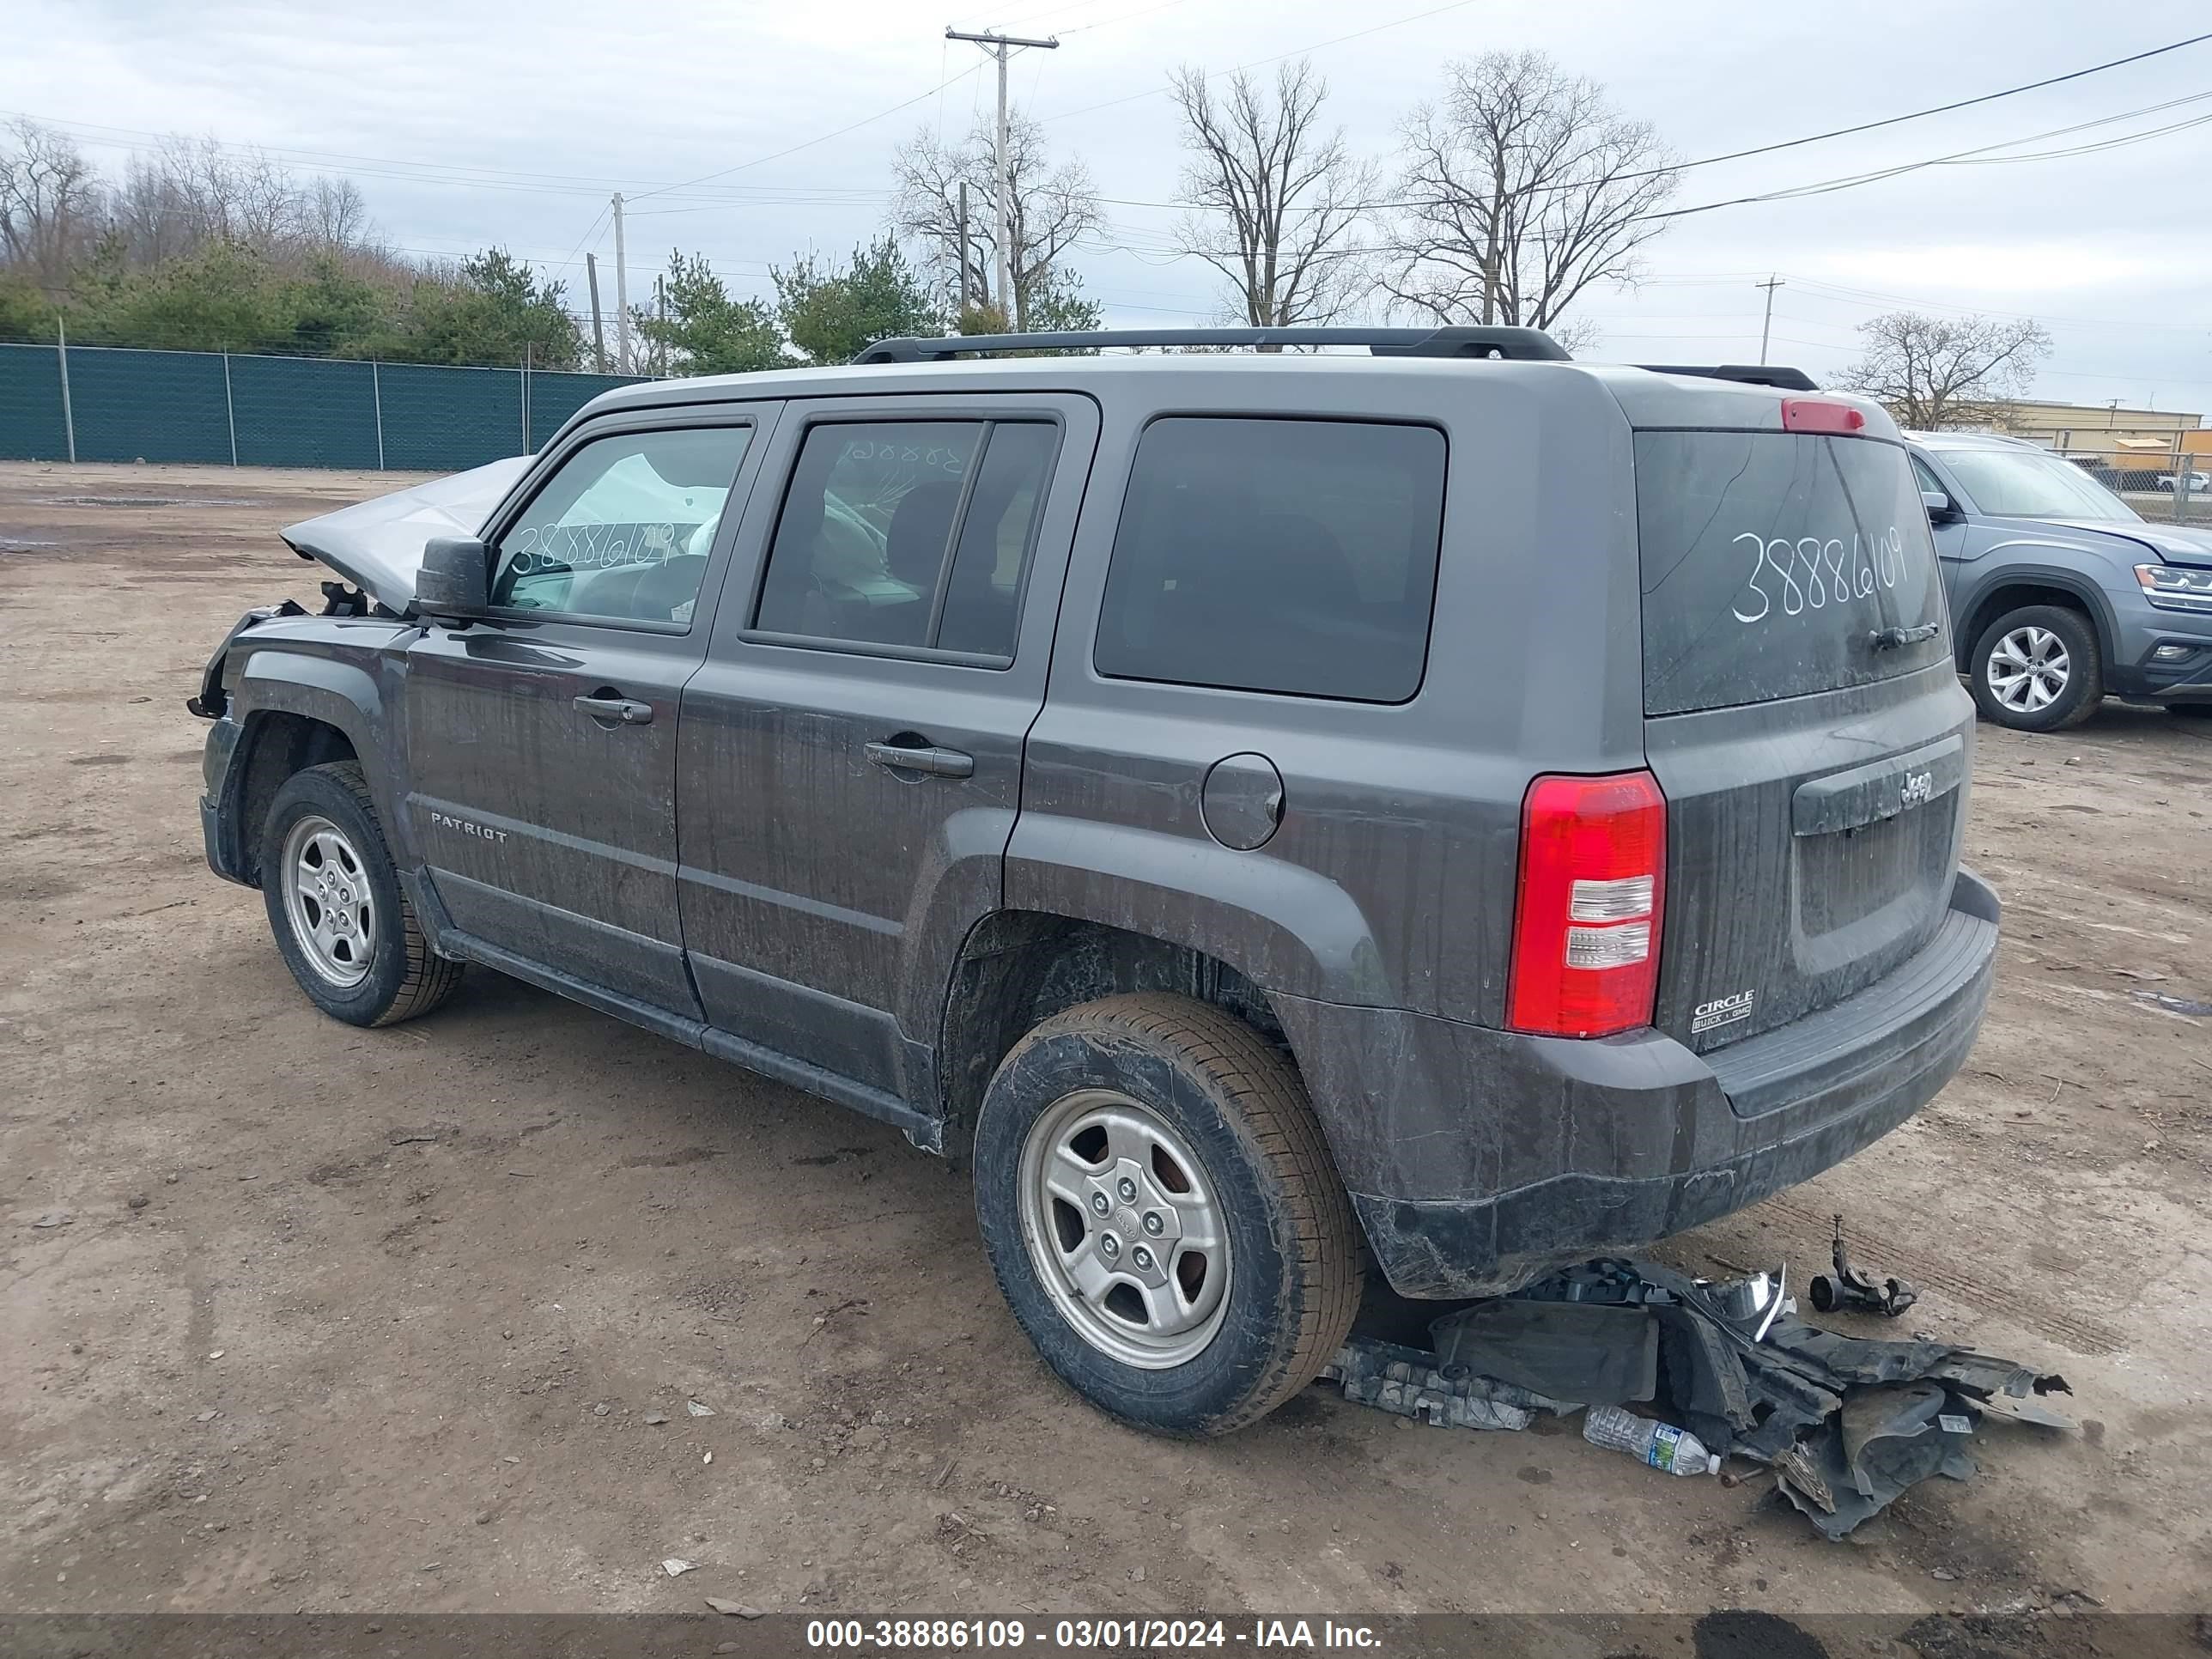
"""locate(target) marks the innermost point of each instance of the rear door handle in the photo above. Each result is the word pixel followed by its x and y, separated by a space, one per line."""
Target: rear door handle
pixel 616 708
pixel 936 763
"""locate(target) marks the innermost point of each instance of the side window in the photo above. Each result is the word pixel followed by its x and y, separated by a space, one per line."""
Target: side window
pixel 622 530
pixel 1923 480
pixel 911 533
pixel 1285 555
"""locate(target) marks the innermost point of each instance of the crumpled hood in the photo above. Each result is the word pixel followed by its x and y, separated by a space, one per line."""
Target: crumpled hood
pixel 2177 543
pixel 377 545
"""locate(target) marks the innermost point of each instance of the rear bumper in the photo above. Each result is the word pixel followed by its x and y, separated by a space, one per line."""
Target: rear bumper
pixel 1479 1160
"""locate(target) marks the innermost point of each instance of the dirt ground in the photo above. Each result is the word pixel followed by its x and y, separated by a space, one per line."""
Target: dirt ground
pixel 350 1320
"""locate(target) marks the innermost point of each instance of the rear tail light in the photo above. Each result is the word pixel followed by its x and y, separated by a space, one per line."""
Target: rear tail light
pixel 1586 923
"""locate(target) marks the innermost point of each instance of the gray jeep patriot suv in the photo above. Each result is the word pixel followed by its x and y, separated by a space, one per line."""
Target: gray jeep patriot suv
pixel 1450 807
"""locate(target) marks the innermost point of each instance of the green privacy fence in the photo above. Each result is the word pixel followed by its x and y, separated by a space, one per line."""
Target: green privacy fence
pixel 115 403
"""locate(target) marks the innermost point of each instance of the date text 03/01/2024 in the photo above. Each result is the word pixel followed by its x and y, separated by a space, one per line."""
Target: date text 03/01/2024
pixel 1165 1634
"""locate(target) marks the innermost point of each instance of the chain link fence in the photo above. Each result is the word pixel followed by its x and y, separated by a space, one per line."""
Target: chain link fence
pixel 2165 481
pixel 116 404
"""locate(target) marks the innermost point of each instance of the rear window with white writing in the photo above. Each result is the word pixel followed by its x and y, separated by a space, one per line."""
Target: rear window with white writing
pixel 1777 564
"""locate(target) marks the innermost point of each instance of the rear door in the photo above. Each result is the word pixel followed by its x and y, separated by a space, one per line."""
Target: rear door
pixel 1803 718
pixel 851 759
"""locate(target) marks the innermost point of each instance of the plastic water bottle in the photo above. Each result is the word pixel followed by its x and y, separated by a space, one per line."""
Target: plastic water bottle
pixel 1661 1445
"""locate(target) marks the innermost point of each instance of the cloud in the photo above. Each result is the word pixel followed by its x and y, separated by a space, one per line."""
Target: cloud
pixel 555 104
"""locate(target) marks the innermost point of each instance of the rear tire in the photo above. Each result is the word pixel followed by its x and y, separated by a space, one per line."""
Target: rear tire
pixel 342 925
pixel 2039 669
pixel 1186 1146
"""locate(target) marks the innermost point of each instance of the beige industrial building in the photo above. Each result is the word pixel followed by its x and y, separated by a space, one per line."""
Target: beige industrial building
pixel 2105 429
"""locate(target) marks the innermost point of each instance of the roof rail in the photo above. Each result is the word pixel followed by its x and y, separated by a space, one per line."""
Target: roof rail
pixel 1521 344
pixel 1786 379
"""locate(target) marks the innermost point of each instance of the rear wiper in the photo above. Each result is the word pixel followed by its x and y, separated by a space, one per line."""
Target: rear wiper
pixel 1895 639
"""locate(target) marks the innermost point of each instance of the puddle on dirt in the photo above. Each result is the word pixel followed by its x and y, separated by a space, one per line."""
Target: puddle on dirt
pixel 142 501
pixel 18 545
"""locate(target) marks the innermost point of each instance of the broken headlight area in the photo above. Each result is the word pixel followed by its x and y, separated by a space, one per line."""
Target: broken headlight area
pixel 339 599
pixel 1847 1423
pixel 214 698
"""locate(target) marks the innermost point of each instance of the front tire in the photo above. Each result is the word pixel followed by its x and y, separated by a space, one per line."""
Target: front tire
pixel 342 925
pixel 2039 669
pixel 1162 1215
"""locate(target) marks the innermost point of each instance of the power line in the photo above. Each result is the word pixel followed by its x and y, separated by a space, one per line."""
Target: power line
pixel 497 179
pixel 762 160
pixel 1921 114
pixel 1956 158
pixel 1870 298
pixel 1981 155
pixel 1959 157
pixel 1261 62
pixel 1126 17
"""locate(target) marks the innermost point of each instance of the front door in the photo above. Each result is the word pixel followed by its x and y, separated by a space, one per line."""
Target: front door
pixel 1951 543
pixel 850 759
pixel 542 741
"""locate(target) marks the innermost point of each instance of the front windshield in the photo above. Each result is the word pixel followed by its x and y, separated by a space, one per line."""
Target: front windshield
pixel 2017 483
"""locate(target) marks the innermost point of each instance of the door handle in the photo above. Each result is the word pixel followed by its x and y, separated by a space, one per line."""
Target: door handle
pixel 616 708
pixel 936 763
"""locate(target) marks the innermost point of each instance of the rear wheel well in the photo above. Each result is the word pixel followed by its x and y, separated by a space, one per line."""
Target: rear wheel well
pixel 276 745
pixel 2014 596
pixel 1018 967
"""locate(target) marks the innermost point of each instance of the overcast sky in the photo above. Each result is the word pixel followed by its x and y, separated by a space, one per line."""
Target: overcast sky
pixel 472 122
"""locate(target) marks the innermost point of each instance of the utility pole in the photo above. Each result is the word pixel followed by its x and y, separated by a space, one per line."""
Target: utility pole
pixel 661 316
pixel 961 309
pixel 622 292
pixel 1765 325
pixel 998 46
pixel 599 333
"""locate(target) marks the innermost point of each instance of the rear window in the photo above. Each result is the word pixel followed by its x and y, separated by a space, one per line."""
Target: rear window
pixel 1286 556
pixel 1773 562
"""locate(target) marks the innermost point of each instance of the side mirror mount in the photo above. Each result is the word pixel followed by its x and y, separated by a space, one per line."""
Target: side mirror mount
pixel 455 580
pixel 1942 509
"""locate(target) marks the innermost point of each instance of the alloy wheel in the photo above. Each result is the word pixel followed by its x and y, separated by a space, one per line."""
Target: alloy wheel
pixel 1125 1228
pixel 328 901
pixel 2028 670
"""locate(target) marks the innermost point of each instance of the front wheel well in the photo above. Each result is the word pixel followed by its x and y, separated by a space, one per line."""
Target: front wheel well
pixel 1017 969
pixel 2015 596
pixel 275 745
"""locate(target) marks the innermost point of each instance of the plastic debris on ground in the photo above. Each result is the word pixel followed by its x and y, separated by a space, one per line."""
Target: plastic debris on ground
pixel 1847 1423
pixel 1856 1291
pixel 1411 1383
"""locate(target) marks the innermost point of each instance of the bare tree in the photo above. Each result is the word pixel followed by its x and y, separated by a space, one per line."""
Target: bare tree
pixel 190 193
pixel 1049 207
pixel 249 200
pixel 1522 187
pixel 1935 372
pixel 1279 201
pixel 334 215
pixel 49 203
pixel 145 217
